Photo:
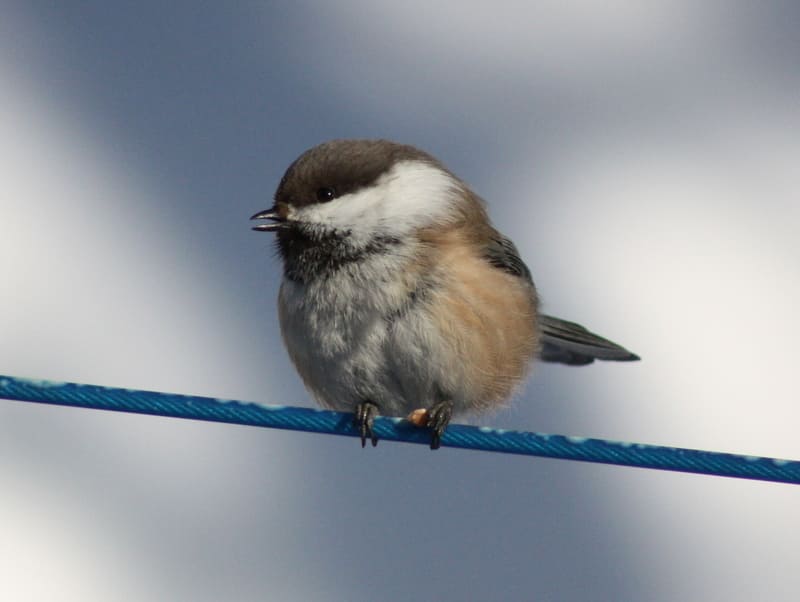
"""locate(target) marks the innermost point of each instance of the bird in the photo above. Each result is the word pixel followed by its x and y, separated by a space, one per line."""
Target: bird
pixel 398 295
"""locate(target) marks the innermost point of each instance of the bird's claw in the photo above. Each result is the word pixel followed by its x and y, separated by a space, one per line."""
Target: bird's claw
pixel 439 416
pixel 366 411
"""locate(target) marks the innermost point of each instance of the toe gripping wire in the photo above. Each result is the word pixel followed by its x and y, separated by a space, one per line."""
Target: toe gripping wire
pixel 395 429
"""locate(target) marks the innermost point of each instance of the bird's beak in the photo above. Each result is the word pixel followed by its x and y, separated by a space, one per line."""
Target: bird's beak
pixel 273 214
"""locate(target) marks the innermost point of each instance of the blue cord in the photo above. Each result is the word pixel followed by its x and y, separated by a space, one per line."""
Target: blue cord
pixel 396 429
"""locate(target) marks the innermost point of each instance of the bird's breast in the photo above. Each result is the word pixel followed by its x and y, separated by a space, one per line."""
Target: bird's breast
pixel 338 333
pixel 456 327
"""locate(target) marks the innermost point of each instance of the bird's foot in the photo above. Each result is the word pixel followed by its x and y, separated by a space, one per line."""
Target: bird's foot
pixel 439 415
pixel 366 411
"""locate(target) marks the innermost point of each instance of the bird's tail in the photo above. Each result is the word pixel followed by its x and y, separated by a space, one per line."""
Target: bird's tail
pixel 569 343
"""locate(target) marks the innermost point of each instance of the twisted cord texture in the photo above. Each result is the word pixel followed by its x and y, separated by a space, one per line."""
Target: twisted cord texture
pixel 395 429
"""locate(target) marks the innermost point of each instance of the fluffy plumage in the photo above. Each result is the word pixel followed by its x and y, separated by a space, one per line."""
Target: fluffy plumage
pixel 399 294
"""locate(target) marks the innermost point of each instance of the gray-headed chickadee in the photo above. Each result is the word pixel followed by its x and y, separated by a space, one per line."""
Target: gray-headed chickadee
pixel 398 293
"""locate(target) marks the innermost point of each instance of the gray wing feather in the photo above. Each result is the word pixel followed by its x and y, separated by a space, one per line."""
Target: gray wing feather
pixel 562 342
pixel 503 253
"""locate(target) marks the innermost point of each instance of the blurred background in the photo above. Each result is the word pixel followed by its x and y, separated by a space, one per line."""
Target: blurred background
pixel 642 156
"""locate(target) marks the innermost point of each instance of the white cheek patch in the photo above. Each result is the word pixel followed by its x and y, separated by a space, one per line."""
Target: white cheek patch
pixel 412 194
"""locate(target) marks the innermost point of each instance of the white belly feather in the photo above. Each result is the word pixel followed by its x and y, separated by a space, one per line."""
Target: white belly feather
pixel 345 343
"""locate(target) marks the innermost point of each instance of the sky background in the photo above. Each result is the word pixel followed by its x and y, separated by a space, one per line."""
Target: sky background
pixel 642 157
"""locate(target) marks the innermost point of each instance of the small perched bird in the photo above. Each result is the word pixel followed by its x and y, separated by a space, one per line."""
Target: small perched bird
pixel 399 296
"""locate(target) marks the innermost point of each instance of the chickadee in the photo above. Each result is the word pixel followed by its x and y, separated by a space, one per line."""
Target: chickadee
pixel 398 293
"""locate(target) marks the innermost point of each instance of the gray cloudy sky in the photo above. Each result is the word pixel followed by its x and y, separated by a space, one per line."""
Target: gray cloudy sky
pixel 644 159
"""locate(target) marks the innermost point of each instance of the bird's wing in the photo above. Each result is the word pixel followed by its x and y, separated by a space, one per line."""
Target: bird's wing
pixel 562 341
pixel 503 254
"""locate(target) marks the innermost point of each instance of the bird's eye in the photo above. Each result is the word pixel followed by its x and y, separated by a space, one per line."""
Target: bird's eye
pixel 325 194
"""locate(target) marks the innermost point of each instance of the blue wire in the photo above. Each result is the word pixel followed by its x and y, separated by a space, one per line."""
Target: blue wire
pixel 396 429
